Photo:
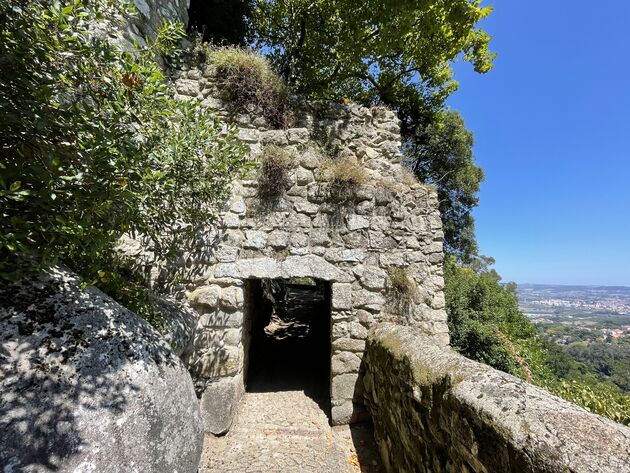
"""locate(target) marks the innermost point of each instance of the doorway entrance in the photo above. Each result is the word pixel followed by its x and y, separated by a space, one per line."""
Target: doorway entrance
pixel 288 345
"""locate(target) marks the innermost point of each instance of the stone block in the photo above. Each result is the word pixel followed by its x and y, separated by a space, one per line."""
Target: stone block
pixel 274 137
pixel 297 135
pixel 345 362
pixel 348 412
pixel 231 298
pixel 206 296
pixel 364 299
pixel 278 239
pixel 219 318
pixel 305 207
pixel 356 330
pixel 373 278
pixel 319 237
pixel 346 386
pixel 212 364
pixel 218 404
pixel 345 256
pixel 341 296
pixel 304 176
pixel 248 135
pixel 255 239
pixel 226 254
pixel 348 344
pixel 356 222
pixel 365 208
pixel 237 206
pixel 297 191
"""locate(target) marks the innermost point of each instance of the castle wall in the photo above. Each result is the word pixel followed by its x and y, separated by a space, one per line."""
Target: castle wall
pixel 392 222
pixel 435 411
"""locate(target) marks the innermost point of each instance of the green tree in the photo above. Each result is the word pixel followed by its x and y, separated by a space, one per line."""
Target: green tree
pixel 485 322
pixel 441 154
pixel 93 143
pixel 362 49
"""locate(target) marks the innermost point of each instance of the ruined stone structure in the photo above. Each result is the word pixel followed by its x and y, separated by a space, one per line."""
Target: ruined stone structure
pixel 392 222
pixel 119 398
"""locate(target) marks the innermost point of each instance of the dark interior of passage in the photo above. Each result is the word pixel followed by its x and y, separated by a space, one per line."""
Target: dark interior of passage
pixel 289 342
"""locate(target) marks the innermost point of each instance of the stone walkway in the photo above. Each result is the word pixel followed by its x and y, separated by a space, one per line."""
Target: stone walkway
pixel 287 432
pixel 281 425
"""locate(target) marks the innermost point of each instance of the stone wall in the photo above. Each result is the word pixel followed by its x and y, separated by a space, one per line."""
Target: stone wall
pixel 436 411
pixel 144 24
pixel 393 222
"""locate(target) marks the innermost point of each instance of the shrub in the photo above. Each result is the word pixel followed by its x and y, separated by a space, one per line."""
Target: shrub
pixel 94 144
pixel 273 174
pixel 597 398
pixel 249 82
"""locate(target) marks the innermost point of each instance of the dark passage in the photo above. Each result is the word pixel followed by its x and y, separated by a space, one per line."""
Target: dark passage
pixel 290 337
pixel 219 21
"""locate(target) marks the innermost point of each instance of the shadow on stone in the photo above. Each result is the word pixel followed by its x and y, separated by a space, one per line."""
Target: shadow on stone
pixel 87 385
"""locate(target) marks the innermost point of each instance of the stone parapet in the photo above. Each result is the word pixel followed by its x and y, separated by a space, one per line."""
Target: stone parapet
pixel 437 411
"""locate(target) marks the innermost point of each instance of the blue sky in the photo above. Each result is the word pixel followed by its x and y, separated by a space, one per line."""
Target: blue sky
pixel 552 133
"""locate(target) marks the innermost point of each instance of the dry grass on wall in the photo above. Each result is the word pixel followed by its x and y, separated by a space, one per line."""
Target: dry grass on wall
pixel 273 176
pixel 251 85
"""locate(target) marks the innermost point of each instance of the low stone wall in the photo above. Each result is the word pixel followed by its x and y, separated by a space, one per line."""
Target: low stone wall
pixel 437 411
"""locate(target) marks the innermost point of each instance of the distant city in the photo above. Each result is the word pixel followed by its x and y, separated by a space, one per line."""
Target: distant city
pixel 602 310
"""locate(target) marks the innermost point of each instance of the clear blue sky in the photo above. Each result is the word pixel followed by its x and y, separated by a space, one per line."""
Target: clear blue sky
pixel 552 133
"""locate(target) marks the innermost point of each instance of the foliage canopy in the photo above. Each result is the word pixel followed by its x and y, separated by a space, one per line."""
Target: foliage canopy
pixel 93 143
pixel 486 325
pixel 344 48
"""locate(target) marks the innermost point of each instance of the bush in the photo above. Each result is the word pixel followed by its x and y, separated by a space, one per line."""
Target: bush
pixel 249 82
pixel 597 398
pixel 273 175
pixel 94 144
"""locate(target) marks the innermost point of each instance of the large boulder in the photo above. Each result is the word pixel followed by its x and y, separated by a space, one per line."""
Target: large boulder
pixel 87 386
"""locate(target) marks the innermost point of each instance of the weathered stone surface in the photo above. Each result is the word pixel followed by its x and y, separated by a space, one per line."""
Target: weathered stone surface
pixel 345 362
pixel 180 321
pixel 218 404
pixel 87 386
pixel 231 298
pixel 349 344
pixel 436 411
pixel 215 362
pixel 297 135
pixel 357 222
pixel 345 386
pixel 206 296
pixel 342 296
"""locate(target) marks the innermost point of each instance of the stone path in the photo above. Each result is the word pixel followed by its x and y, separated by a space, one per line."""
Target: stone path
pixel 287 432
pixel 282 423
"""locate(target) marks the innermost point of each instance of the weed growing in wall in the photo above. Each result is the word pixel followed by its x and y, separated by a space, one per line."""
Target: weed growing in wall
pixel 273 176
pixel 251 85
pixel 344 176
pixel 401 290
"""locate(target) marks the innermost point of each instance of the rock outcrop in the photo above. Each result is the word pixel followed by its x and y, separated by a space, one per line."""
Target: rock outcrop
pixel 87 386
